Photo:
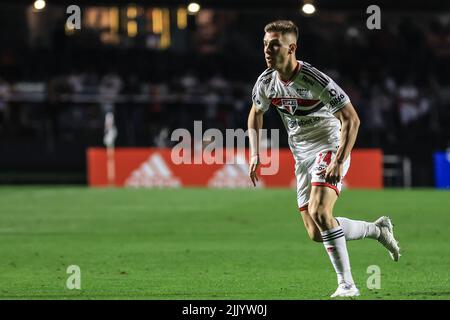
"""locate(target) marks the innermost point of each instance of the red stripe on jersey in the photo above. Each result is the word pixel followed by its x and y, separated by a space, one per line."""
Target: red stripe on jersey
pixel 300 102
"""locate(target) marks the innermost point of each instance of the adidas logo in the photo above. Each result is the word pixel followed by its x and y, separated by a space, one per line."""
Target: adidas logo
pixel 233 176
pixel 331 249
pixel 153 173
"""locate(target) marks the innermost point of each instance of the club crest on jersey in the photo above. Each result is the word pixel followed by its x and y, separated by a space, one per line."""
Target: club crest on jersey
pixel 290 105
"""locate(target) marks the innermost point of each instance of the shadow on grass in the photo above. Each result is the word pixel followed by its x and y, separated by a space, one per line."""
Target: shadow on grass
pixel 430 293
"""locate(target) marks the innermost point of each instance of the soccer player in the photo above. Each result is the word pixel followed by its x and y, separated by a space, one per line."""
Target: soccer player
pixel 322 126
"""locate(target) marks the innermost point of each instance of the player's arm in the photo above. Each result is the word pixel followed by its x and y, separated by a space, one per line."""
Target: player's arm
pixel 349 131
pixel 338 103
pixel 255 123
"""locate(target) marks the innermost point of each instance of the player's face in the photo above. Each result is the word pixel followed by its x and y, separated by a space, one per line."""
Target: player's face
pixel 276 49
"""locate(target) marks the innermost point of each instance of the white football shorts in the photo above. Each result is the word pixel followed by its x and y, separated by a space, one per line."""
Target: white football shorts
pixel 311 172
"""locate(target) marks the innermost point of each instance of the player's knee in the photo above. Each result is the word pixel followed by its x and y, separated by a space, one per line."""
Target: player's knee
pixel 315 236
pixel 321 215
pixel 312 231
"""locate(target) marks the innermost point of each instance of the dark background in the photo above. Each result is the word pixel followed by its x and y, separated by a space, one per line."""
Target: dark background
pixel 56 85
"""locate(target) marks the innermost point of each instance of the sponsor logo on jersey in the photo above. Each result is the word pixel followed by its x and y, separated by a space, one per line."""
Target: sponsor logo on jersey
pixel 266 80
pixel 154 172
pixel 302 90
pixel 336 100
pixel 320 169
pixel 308 121
pixel 292 123
pixel 303 122
pixel 307 80
pixel 332 92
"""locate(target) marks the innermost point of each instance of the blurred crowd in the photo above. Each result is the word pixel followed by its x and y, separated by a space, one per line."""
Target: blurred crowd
pixel 396 78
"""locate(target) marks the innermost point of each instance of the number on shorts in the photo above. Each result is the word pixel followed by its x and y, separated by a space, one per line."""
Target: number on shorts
pixel 326 159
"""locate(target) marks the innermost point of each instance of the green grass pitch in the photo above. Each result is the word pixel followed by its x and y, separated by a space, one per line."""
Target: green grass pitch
pixel 210 244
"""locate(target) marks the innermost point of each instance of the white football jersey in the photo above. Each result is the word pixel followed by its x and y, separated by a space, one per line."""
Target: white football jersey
pixel 306 104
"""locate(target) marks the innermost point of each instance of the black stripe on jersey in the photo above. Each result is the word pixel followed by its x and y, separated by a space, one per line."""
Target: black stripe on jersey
pixel 318 74
pixel 315 72
pixel 310 67
pixel 316 77
pixel 267 72
pixel 301 112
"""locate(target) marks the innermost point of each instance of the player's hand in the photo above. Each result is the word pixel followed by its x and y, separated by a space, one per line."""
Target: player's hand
pixel 333 174
pixel 254 163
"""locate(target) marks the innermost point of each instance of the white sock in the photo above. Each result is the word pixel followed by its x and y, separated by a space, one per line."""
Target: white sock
pixel 356 229
pixel 336 246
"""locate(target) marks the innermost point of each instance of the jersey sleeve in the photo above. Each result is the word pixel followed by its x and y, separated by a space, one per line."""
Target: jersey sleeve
pixel 259 97
pixel 324 88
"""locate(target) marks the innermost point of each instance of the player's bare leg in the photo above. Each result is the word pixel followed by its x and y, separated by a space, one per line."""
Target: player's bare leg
pixel 310 226
pixel 381 230
pixel 320 208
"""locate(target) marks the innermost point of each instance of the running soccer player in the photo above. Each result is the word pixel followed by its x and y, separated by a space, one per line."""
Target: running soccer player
pixel 322 126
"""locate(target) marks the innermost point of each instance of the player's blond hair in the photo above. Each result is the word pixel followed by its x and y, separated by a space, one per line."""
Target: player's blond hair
pixel 283 26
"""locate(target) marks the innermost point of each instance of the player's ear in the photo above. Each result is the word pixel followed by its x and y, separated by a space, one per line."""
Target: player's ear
pixel 292 48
